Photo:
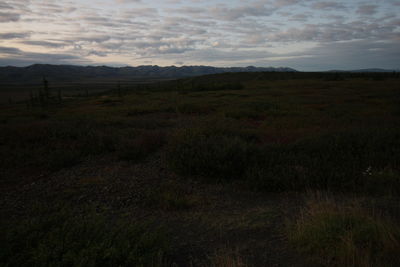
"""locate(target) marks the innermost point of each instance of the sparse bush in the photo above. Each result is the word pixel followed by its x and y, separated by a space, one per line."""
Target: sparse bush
pixel 329 162
pixel 50 146
pixel 194 152
pixel 227 258
pixel 274 179
pixel 187 108
pixel 384 182
pixel 338 235
pixel 141 146
pixel 63 158
pixel 89 239
pixel 216 86
pixel 170 196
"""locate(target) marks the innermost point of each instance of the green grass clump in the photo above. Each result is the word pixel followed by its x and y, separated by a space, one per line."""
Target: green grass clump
pixel 67 239
pixel 211 155
pixel 336 235
pixel 383 182
pixel 140 147
pixel 227 258
pixel 276 178
pixel 170 196
pixel 47 146
pixel 337 161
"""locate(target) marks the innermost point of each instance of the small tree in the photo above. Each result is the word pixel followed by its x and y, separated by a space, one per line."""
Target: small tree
pixel 46 90
pixel 119 92
pixel 59 96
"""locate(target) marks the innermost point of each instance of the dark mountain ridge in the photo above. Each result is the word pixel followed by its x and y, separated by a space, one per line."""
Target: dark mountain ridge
pixel 373 70
pixel 75 73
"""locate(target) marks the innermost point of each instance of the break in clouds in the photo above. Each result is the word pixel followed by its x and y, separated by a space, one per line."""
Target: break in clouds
pixel 303 34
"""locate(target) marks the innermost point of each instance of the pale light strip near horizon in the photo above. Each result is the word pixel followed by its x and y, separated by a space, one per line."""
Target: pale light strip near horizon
pixel 302 34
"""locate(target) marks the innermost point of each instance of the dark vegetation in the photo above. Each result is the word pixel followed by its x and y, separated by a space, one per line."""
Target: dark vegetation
pixel 214 170
pixel 87 239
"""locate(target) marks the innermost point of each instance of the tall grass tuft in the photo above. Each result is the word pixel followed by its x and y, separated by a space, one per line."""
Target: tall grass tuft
pixel 67 239
pixel 210 155
pixel 333 234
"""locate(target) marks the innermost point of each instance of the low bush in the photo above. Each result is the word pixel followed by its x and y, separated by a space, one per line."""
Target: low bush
pixel 215 87
pixel 67 239
pixel 211 155
pixel 227 258
pixel 141 146
pixel 170 196
pixel 51 146
pixel 332 162
pixel 274 179
pixel 383 182
pixel 337 235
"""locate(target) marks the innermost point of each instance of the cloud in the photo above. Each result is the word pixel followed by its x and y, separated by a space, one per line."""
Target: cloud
pixel 367 9
pixel 141 12
pixel 9 17
pixel 335 32
pixel 300 17
pixel 92 38
pixel 17 57
pixel 281 3
pixel 254 10
pixel 327 6
pixel 9 50
pixel 5 6
pixel 97 53
pixel 45 43
pixel 128 1
pixel 14 35
pixel 193 31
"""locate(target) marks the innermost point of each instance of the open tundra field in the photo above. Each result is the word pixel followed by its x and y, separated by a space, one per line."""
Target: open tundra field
pixel 240 169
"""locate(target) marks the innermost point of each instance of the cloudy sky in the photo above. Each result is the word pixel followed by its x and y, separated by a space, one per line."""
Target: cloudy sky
pixel 303 34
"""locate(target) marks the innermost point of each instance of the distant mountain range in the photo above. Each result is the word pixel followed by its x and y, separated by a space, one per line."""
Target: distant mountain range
pixel 366 70
pixel 69 73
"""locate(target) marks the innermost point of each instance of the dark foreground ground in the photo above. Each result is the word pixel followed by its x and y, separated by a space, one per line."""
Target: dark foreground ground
pixel 222 170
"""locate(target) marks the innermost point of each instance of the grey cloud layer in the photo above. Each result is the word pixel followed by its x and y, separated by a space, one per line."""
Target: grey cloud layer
pixel 17 57
pixel 219 32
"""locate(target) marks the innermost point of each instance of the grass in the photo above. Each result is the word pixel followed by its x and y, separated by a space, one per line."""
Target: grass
pixel 227 258
pixel 47 146
pixel 170 196
pixel 215 159
pixel 51 145
pixel 213 156
pixel 140 147
pixel 67 238
pixel 336 161
pixel 382 182
pixel 343 234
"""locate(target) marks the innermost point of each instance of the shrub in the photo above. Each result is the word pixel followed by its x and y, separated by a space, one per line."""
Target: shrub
pixel 63 158
pixel 170 196
pixel 329 162
pixel 50 145
pixel 194 152
pixel 336 235
pixel 141 147
pixel 227 258
pixel 65 239
pixel 384 182
pixel 216 86
pixel 273 179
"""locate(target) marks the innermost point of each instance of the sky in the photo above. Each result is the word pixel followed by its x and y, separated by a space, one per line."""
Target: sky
pixel 307 35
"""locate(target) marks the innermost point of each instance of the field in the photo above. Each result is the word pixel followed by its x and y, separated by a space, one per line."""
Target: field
pixel 243 169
